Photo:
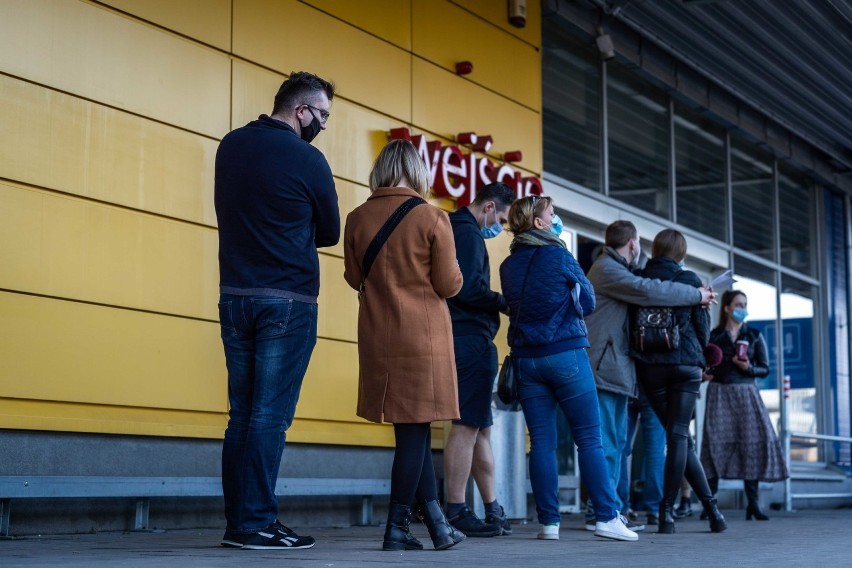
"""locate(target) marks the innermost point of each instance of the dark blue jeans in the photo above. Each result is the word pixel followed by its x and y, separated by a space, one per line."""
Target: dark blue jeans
pixel 268 343
pixel 641 415
pixel 564 380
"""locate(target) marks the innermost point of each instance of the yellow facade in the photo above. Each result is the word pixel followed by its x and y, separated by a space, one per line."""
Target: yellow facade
pixel 111 114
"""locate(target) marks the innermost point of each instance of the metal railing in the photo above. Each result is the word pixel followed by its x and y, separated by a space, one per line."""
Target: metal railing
pixel 787 436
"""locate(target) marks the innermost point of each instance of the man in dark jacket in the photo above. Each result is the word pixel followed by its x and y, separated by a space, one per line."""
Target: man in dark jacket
pixel 475 313
pixel 616 288
pixel 275 204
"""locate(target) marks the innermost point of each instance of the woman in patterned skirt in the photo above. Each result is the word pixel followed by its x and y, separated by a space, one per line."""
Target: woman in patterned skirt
pixel 739 441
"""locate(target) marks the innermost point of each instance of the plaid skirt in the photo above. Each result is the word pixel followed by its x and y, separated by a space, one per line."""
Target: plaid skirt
pixel 739 441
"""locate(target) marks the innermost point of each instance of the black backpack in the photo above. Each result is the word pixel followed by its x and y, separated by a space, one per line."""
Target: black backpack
pixel 654 330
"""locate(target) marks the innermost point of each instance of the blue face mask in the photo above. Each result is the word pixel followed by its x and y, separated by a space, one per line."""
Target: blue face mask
pixel 739 315
pixel 491 231
pixel 556 226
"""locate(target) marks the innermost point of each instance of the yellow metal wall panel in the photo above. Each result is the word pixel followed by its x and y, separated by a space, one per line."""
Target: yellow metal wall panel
pixel 290 36
pixel 75 352
pixel 338 304
pixel 388 19
pixel 208 21
pixel 447 105
pixel 497 12
pixel 100 55
pixel 349 196
pixel 445 34
pixel 62 246
pixel 61 142
pixel 330 388
pixel 253 92
pixel 23 414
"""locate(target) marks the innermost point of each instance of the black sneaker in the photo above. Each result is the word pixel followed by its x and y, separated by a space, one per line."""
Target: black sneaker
pixel 471 525
pixel 233 540
pixel 501 521
pixel 652 519
pixel 277 537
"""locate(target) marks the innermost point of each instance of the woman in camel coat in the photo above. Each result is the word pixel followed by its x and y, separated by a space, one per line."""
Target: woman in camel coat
pixel 405 337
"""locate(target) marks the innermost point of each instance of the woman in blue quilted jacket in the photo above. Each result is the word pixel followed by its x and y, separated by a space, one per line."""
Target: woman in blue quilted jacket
pixel 548 296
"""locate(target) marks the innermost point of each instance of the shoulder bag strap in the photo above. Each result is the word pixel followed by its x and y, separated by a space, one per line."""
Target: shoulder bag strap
pixel 382 236
pixel 524 285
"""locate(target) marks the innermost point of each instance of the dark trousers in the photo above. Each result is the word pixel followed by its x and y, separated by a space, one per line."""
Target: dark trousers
pixel 413 475
pixel 672 391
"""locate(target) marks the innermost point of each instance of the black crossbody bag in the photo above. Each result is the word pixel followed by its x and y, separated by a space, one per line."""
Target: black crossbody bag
pixel 381 238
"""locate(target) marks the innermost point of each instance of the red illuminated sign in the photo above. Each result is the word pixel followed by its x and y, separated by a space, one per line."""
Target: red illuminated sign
pixel 459 176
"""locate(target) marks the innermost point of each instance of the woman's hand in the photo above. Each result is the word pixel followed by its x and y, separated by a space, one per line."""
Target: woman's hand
pixel 740 364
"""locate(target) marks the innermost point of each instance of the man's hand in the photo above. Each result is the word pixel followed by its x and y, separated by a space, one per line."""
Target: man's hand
pixel 705 376
pixel 708 297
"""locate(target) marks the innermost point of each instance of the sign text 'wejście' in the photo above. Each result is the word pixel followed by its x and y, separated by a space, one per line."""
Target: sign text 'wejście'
pixel 456 175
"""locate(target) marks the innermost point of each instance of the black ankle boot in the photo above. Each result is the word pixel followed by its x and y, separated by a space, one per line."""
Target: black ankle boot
pixel 666 523
pixel 442 533
pixel 752 490
pixel 397 535
pixel 714 515
pixel 684 509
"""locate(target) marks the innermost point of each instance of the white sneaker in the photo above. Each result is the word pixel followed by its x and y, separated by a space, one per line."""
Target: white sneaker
pixel 549 532
pixel 615 529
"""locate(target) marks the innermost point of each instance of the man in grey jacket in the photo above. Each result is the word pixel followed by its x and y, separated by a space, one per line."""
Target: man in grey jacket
pixel 616 288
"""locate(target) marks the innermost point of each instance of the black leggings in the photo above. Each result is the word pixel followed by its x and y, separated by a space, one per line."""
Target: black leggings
pixel 413 474
pixel 672 391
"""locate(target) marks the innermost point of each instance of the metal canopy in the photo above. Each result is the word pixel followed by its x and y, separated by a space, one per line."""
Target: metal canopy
pixel 790 59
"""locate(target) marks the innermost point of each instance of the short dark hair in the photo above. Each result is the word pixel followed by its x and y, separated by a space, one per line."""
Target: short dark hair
pixel 500 193
pixel 669 243
pixel 300 88
pixel 619 232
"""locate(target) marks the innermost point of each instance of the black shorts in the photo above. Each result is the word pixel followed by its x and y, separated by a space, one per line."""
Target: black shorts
pixel 476 369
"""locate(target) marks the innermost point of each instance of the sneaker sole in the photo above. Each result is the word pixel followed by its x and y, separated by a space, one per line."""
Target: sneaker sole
pixel 231 544
pixel 276 547
pixel 614 536
pixel 590 528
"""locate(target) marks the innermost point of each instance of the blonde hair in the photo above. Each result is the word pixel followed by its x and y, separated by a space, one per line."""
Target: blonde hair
pixel 523 212
pixel 399 162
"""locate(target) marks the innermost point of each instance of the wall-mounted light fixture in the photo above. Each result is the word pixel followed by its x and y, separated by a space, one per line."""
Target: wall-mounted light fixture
pixel 477 143
pixel 513 156
pixel 518 13
pixel 401 133
pixel 464 67
pixel 604 43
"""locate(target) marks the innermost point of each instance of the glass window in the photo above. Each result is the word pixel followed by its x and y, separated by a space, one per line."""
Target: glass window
pixel 571 93
pixel 797 211
pixel 753 199
pixel 798 348
pixel 757 282
pixel 638 142
pixel 700 173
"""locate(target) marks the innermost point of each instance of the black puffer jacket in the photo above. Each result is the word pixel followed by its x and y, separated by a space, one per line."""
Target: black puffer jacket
pixel 693 321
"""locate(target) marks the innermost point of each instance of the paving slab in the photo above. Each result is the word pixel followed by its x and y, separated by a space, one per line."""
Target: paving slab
pixel 821 538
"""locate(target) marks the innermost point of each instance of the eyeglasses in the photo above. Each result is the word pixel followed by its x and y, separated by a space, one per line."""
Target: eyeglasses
pixel 324 114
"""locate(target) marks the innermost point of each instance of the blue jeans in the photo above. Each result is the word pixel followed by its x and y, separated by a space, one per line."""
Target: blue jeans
pixel 613 412
pixel 268 343
pixel 653 459
pixel 564 380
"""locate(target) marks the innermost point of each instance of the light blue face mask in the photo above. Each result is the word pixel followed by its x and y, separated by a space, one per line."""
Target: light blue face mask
pixel 739 315
pixel 491 231
pixel 556 225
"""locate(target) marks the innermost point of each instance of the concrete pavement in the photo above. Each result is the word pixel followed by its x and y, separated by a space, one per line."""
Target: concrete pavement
pixel 806 538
